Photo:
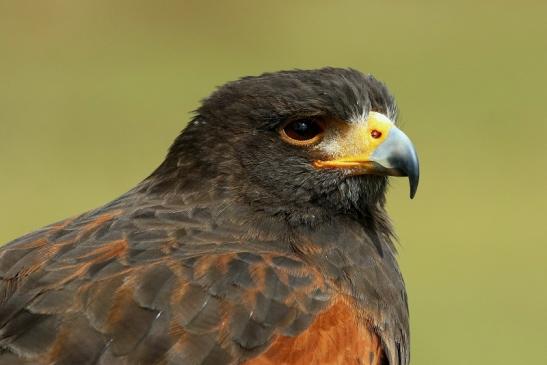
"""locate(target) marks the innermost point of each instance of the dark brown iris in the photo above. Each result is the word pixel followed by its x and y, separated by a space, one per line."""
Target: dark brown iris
pixel 302 131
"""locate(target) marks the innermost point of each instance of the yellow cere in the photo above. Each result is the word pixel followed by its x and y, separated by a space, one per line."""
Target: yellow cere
pixel 357 145
pixel 361 144
pixel 379 122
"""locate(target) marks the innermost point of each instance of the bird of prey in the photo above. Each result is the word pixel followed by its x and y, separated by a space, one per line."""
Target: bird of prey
pixel 261 239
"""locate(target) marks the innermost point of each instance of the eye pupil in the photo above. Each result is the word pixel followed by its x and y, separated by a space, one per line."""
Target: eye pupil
pixel 303 130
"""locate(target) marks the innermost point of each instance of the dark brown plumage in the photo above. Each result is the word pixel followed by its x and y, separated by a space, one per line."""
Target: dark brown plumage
pixel 241 248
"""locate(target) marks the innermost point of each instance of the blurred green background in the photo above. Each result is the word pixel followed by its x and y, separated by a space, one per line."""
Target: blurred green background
pixel 93 92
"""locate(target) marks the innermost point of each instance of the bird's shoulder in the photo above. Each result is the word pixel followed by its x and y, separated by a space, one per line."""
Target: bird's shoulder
pixel 164 284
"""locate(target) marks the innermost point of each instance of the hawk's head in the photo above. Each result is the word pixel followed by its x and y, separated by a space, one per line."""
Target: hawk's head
pixel 296 140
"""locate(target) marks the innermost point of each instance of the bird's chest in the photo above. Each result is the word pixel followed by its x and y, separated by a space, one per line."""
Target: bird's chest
pixel 337 336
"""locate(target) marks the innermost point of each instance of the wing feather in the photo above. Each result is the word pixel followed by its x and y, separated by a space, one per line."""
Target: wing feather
pixel 105 289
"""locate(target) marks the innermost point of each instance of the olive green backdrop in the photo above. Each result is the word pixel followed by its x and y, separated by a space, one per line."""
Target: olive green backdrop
pixel 93 92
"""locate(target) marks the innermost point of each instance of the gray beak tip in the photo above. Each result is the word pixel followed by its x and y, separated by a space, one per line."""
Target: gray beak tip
pixel 397 156
pixel 413 179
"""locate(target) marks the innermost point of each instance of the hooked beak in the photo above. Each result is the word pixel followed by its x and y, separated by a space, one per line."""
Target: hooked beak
pixel 378 147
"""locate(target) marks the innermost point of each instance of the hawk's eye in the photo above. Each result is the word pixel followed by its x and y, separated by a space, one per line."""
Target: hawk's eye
pixel 302 131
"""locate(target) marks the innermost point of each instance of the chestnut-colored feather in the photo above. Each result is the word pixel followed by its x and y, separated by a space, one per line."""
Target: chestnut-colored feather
pixel 335 337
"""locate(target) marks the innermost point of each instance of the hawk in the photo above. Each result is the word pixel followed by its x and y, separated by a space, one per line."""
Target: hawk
pixel 261 239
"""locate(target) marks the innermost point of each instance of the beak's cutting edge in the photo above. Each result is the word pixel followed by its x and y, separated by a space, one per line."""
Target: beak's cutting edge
pixel 390 154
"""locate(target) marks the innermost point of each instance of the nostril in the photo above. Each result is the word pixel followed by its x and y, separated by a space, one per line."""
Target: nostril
pixel 375 134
